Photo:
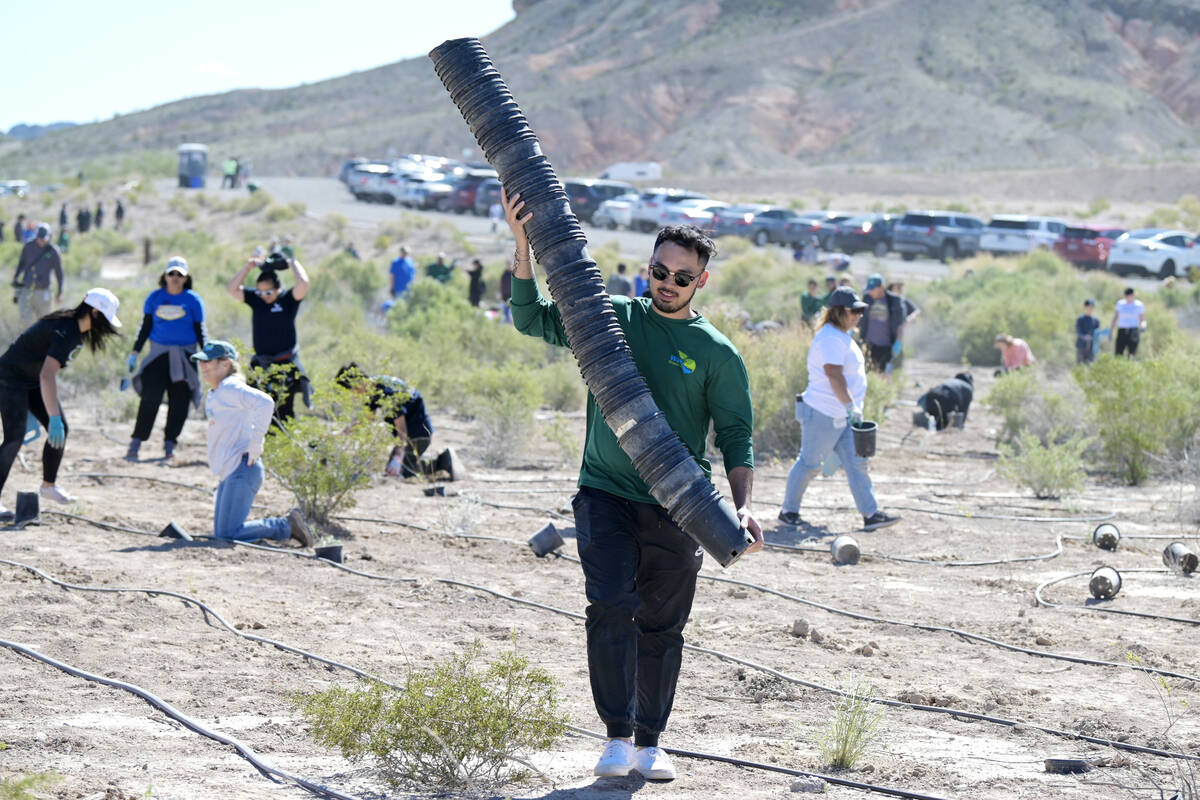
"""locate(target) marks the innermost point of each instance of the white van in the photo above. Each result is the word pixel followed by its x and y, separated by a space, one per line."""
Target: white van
pixel 633 171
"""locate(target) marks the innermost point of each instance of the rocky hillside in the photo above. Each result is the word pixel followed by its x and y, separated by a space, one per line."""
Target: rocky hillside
pixel 714 87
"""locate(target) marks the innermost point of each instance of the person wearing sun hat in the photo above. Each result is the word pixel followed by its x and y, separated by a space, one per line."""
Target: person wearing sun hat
pixel 29 380
pixel 173 321
pixel 239 417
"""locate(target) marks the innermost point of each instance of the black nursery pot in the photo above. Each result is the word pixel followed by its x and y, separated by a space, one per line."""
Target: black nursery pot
pixel 330 552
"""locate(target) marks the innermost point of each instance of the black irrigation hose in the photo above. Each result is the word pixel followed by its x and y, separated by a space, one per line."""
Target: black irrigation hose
pixel 245 752
pixel 123 476
pixel 366 675
pixel 1037 593
pixel 967 515
pixel 1058 550
pixel 839 692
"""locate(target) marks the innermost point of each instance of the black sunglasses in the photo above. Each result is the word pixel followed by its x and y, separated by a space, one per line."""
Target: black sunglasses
pixel 661 273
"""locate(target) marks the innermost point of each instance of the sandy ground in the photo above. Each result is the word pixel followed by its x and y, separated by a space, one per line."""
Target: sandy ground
pixel 109 744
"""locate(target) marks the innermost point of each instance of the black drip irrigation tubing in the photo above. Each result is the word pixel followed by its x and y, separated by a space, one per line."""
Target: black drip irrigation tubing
pixel 1058 550
pixel 250 756
pixel 952 712
pixel 272 773
pixel 1011 518
pixel 1037 593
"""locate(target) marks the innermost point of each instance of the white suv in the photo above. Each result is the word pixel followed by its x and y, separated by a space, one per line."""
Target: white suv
pixel 1154 251
pixel 1017 233
pixel 645 212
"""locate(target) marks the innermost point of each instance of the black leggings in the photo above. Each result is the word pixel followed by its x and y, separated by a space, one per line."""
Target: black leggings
pixel 156 379
pixel 15 407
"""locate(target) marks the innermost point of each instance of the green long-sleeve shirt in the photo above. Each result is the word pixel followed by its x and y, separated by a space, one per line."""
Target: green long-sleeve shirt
pixel 695 374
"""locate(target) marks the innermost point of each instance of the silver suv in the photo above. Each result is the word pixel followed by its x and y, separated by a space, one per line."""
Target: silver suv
pixel 942 234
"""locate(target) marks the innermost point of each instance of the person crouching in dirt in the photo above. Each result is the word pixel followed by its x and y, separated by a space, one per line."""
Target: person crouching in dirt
pixel 639 568
pixel 239 417
pixel 29 380
pixel 273 324
pixel 948 397
pixel 404 410
pixel 1014 353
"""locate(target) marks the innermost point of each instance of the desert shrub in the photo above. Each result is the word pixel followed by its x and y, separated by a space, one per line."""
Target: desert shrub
pixel 731 246
pixel 110 242
pixel 23 787
pixel 1049 471
pixel 854 727
pixel 1036 298
pixel 881 393
pixel 1162 217
pixel 765 285
pixel 777 363
pixel 502 401
pixel 254 202
pixel 324 458
pixel 277 212
pixel 1029 401
pixel 1145 410
pixel 342 274
pixel 561 386
pixel 457 725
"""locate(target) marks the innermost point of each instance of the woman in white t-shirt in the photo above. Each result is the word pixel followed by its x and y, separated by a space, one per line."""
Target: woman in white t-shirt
pixel 837 386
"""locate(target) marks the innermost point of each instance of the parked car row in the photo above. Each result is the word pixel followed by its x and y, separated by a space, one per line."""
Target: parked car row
pixel 435 182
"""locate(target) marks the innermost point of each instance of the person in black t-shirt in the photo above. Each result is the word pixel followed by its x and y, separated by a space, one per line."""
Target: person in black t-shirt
pixel 273 325
pixel 404 409
pixel 29 380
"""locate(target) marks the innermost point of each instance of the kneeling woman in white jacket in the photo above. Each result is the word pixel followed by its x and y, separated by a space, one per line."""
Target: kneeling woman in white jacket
pixel 238 420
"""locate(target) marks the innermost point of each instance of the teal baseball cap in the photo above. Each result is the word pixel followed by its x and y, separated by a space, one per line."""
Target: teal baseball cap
pixel 216 349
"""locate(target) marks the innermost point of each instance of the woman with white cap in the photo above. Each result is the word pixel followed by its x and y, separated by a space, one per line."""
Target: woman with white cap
pixel 29 380
pixel 173 321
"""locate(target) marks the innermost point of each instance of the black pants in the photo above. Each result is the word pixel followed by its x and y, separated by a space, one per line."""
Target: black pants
pixel 156 380
pixel 15 407
pixel 283 380
pixel 411 463
pixel 878 356
pixel 639 574
pixel 1127 341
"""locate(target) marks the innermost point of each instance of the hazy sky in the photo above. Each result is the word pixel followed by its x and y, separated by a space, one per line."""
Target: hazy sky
pixel 82 61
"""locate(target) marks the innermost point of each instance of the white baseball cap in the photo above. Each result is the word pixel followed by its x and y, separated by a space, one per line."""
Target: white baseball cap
pixel 106 303
pixel 176 264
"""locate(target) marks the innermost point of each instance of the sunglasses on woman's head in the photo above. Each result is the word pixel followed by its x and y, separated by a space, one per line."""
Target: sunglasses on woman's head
pixel 661 273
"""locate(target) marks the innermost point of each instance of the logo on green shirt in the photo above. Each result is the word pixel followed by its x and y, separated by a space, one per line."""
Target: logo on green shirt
pixel 688 365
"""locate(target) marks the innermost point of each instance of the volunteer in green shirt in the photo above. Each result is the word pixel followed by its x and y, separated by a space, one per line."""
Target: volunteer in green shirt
pixel 639 568
pixel 439 270
pixel 811 303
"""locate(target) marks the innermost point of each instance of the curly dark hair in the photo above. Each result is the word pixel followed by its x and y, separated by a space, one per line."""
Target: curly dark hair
pixel 690 237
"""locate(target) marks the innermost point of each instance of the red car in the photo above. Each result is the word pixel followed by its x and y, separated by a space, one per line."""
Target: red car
pixel 1087 245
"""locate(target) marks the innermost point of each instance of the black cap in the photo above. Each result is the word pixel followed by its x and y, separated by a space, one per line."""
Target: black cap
pixel 1089 302
pixel 846 297
pixel 1128 290
pixel 43 232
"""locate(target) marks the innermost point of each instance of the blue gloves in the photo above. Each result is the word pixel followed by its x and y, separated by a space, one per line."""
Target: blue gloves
pixel 57 433
pixel 131 362
pixel 896 347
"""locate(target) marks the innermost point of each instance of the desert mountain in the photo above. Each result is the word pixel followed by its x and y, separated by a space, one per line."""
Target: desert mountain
pixel 724 86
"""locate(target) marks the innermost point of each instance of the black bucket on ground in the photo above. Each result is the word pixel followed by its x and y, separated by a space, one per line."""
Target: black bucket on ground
pixel 559 245
pixel 957 419
pixel 1179 558
pixel 920 419
pixel 1106 536
pixel 545 541
pixel 864 438
pixel 330 552
pixel 1105 583
pixel 28 509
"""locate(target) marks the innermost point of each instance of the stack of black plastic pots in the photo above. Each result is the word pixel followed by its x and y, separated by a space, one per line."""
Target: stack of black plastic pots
pixel 576 285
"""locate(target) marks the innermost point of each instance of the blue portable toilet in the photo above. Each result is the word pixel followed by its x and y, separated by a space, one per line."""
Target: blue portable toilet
pixel 193 164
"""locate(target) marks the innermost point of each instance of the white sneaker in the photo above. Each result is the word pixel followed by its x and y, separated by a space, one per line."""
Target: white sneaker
pixel 57 495
pixel 5 513
pixel 616 761
pixel 654 764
